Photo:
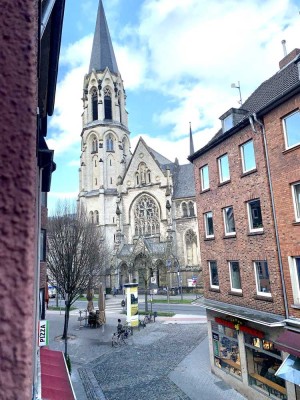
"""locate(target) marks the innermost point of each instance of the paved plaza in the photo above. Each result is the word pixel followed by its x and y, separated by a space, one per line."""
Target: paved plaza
pixel 167 360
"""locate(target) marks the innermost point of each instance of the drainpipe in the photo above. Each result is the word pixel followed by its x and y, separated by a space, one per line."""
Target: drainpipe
pixel 262 127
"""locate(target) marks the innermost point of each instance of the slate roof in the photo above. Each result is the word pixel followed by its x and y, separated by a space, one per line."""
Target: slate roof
pixel 102 52
pixel 270 91
pixel 184 182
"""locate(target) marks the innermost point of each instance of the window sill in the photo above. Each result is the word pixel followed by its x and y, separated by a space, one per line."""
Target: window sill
pixel 233 293
pixel 207 239
pixel 229 236
pixel 264 298
pixel 224 183
pixel 295 223
pixel 255 233
pixel 297 306
pixel 297 146
pixel 204 191
pixel 248 172
pixel 214 290
pixel 110 151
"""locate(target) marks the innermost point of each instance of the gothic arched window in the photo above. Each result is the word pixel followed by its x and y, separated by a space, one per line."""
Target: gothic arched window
pixel 146 216
pixel 91 217
pixel 191 209
pixel 120 109
pixel 94 97
pixel 97 217
pixel 184 210
pixel 109 143
pixel 107 104
pixel 94 145
pixel 191 247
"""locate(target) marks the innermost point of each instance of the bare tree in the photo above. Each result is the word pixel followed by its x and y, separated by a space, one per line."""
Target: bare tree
pixel 76 253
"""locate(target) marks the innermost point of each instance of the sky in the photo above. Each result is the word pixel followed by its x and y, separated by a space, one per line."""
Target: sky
pixel 178 60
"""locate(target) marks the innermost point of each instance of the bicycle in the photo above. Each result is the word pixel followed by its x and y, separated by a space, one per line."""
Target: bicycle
pixel 148 318
pixel 118 339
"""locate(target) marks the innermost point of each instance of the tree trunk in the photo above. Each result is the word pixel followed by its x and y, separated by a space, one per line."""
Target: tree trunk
pixel 66 325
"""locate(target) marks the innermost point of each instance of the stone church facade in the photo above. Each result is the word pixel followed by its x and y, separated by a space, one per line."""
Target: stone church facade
pixel 143 203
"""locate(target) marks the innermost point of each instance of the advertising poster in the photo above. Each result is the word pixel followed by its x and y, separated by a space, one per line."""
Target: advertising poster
pixel 131 290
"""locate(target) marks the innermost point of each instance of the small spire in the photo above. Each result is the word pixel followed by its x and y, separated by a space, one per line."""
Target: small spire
pixel 102 52
pixel 192 151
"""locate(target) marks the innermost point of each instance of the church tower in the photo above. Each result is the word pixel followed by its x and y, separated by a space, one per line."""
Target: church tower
pixel 105 144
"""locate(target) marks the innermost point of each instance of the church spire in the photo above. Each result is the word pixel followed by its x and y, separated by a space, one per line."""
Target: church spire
pixel 102 52
pixel 192 151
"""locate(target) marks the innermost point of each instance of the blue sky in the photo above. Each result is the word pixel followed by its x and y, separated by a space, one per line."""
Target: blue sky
pixel 178 59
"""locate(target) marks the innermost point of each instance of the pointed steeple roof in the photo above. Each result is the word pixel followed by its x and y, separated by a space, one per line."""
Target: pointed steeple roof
pixel 102 52
pixel 192 151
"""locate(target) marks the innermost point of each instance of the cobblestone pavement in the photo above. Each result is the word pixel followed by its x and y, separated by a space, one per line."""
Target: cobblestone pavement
pixel 140 369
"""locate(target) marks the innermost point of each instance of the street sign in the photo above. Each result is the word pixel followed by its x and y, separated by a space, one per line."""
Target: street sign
pixel 153 279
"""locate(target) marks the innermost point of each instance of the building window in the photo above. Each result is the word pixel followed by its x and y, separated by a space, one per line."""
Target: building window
pixel 294 264
pixel 262 278
pixel 146 216
pixel 296 199
pixel 184 210
pixel 223 164
pixel 235 276
pixel 213 274
pixel 107 105
pixel 91 215
pixel 291 127
pixel 248 156
pixel 263 360
pixel 43 245
pixel 254 216
pixel 209 225
pixel 109 143
pixel 204 178
pixel 226 349
pixel 191 209
pixel 96 217
pixel 191 247
pixel 227 123
pixel 229 221
pixel 94 96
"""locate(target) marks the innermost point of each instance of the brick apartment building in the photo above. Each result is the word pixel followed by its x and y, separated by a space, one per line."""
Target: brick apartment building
pixel 248 202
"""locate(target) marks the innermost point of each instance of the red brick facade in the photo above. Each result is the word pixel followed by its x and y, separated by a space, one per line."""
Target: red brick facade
pixel 244 247
pixel 285 170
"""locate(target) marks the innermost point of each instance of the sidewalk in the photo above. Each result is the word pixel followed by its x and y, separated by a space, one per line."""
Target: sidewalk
pixel 169 357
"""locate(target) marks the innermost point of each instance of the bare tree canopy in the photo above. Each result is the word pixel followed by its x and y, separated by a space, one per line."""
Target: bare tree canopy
pixel 76 252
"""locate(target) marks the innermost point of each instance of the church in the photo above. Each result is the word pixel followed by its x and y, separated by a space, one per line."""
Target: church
pixel 143 203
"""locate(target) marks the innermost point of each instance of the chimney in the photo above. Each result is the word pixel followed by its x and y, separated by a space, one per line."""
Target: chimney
pixel 288 57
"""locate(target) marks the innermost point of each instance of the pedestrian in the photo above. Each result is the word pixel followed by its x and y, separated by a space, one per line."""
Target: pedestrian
pixel 114 291
pixel 120 327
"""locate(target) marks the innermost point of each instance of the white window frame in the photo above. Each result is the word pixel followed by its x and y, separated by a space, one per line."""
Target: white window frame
pixel 250 217
pixel 285 130
pixel 233 233
pixel 230 275
pixel 295 279
pixel 296 205
pixel 206 225
pixel 202 178
pixel 221 170
pixel 243 158
pixel 266 294
pixel 210 280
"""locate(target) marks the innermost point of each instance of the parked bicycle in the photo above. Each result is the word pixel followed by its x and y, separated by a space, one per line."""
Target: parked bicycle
pixel 148 318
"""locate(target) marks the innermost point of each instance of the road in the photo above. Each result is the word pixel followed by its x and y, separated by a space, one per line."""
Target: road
pixel 115 304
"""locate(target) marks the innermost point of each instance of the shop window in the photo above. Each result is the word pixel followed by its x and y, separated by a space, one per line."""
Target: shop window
pixel 226 349
pixel 263 360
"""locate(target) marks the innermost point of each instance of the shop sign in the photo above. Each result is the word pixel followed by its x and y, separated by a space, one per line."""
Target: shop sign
pixel 43 335
pixel 237 326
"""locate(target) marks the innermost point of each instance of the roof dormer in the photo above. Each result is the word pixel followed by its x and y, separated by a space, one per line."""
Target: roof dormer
pixel 232 117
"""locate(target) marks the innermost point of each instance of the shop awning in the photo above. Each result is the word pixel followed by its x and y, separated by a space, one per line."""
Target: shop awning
pixel 289 342
pixel 290 370
pixel 56 384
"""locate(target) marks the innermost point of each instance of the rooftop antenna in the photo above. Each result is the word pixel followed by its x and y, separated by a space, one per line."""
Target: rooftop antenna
pixel 238 86
pixel 283 42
